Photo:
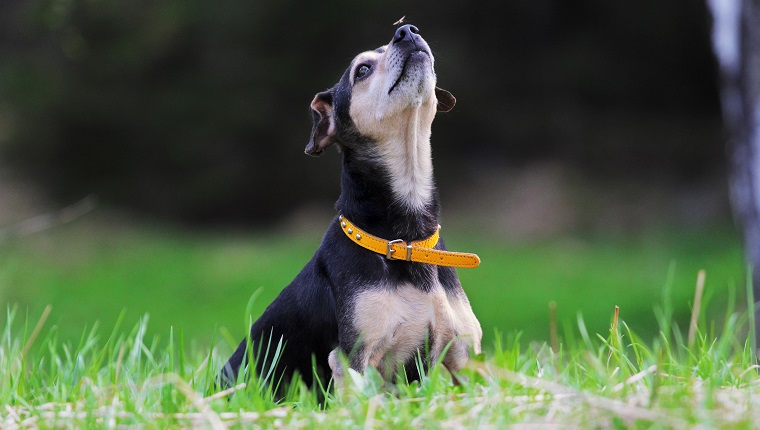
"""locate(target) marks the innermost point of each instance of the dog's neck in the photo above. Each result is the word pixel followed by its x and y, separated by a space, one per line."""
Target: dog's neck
pixel 391 190
pixel 407 158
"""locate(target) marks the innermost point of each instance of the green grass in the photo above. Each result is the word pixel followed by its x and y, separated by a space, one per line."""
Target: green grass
pixel 202 282
pixel 172 304
pixel 611 380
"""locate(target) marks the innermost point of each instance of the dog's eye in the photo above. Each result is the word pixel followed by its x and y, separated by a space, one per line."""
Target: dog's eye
pixel 362 71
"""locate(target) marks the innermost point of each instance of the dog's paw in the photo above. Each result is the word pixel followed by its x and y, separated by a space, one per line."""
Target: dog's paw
pixel 336 361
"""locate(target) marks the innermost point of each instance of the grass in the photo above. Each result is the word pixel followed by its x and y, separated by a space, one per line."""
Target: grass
pixel 142 319
pixel 610 380
pixel 202 282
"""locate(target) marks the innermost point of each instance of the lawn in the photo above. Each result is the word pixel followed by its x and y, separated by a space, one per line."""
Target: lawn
pixel 171 303
pixel 201 282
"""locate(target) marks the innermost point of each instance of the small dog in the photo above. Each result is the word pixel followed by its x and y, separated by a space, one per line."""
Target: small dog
pixel 381 288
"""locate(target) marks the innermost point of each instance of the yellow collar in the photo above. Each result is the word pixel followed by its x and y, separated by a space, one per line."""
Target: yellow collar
pixel 420 251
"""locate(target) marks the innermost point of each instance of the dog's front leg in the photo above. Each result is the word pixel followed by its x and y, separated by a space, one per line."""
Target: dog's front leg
pixel 338 359
pixel 383 328
pixel 356 358
pixel 360 351
pixel 350 349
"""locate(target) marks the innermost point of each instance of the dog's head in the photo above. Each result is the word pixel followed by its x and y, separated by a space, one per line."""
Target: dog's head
pixel 383 92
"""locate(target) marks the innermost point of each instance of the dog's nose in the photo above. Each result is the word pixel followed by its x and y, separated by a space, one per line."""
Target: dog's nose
pixel 405 32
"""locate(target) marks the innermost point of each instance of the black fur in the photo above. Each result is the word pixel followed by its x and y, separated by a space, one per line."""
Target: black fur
pixel 313 313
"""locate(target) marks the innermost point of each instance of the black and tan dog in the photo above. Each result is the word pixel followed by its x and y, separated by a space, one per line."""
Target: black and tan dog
pixel 381 287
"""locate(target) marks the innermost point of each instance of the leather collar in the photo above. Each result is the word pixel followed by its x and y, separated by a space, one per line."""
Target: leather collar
pixel 421 251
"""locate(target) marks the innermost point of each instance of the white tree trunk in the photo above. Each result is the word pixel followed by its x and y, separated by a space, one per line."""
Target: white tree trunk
pixel 736 41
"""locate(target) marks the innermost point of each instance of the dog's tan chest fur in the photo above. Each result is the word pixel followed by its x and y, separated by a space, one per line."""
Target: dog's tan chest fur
pixel 395 322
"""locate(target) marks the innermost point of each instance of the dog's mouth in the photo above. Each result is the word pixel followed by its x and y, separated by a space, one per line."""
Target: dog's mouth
pixel 415 53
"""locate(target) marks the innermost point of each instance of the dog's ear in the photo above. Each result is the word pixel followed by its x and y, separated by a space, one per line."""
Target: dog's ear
pixel 446 100
pixel 323 129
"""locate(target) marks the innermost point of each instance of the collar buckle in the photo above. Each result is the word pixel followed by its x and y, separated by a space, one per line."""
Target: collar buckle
pixel 390 250
pixel 389 253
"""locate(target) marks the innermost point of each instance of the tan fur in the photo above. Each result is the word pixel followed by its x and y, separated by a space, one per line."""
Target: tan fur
pixel 466 330
pixel 394 323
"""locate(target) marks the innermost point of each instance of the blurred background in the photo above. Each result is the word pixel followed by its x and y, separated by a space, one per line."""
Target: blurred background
pixel 584 160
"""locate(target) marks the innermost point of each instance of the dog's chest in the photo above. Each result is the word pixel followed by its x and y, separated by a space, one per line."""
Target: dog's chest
pixel 394 321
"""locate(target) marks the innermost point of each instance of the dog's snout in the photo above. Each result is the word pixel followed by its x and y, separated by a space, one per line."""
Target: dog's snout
pixel 405 32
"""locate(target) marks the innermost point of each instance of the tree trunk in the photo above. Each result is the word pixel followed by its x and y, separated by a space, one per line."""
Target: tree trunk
pixel 736 41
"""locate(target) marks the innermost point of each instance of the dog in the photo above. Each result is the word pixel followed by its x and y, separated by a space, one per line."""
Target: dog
pixel 381 289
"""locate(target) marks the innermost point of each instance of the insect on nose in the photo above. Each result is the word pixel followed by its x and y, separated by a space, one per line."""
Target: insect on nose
pixel 405 32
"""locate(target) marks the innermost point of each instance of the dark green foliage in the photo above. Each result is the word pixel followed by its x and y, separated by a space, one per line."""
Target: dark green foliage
pixel 193 109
